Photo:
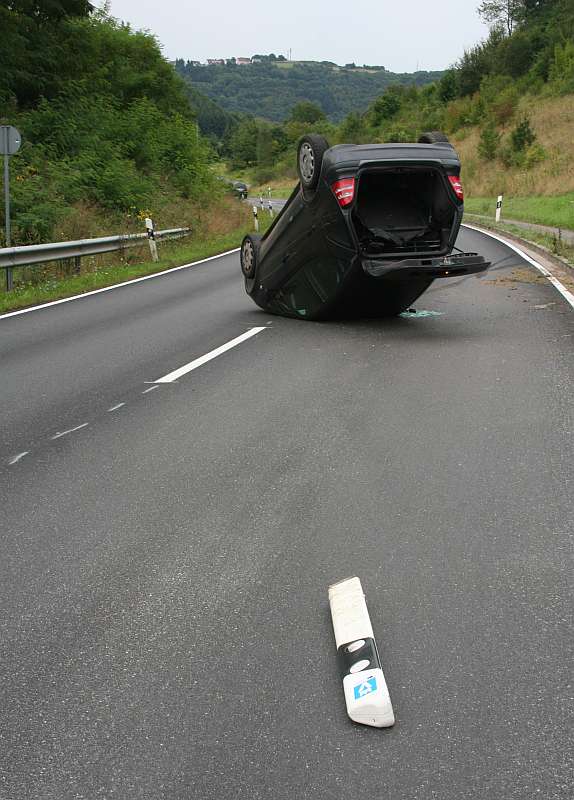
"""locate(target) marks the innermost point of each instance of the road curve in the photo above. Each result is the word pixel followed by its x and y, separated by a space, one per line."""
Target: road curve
pixel 166 548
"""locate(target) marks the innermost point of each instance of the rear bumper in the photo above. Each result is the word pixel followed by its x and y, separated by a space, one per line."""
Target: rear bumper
pixel 444 267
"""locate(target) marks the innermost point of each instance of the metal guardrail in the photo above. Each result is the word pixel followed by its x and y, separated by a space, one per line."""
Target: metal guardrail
pixel 28 255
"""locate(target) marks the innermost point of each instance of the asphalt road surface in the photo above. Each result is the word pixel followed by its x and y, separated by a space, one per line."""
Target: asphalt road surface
pixel 164 623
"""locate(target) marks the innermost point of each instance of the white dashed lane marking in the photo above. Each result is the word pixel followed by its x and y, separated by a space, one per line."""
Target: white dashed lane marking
pixel 198 362
pixel 17 458
pixel 70 430
pixel 169 378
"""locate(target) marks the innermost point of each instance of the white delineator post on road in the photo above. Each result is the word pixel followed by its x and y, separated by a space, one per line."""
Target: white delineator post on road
pixel 255 218
pixel 366 693
pixel 498 207
pixel 151 239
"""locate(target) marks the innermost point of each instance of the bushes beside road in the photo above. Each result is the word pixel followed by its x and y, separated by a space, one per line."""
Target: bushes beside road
pixel 108 130
pixel 228 221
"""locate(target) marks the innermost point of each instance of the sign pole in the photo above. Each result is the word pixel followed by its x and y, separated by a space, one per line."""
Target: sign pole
pixel 7 194
pixel 10 141
pixel 9 281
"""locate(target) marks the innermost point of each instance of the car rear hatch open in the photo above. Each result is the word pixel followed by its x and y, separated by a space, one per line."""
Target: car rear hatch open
pixel 405 211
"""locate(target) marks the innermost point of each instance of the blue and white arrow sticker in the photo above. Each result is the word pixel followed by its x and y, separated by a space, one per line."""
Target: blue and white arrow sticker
pixel 366 687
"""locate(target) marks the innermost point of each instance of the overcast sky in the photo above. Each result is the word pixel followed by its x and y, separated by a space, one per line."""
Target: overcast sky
pixel 428 34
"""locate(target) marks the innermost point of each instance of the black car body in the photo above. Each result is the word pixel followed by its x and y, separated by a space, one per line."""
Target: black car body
pixel 240 189
pixel 365 232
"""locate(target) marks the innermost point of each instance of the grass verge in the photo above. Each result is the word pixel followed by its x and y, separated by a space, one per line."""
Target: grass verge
pixel 172 254
pixel 280 190
pixel 556 211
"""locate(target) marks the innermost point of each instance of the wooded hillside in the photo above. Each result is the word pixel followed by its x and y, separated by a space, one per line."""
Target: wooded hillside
pixel 270 89
pixel 107 125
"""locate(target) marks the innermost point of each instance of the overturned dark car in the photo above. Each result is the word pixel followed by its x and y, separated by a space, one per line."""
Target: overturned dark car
pixel 366 230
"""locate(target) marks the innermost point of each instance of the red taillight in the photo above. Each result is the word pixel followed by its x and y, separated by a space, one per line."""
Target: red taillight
pixel 344 191
pixel 457 186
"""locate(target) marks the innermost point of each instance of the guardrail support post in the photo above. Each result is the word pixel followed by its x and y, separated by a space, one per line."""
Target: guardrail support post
pixel 9 279
pixel 77 265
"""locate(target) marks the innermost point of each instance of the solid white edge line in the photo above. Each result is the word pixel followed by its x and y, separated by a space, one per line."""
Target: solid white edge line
pixel 177 373
pixel 115 285
pixel 566 294
pixel 70 430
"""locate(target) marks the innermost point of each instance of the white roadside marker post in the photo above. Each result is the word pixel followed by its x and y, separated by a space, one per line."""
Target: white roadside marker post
pixel 366 694
pixel 255 218
pixel 271 209
pixel 261 201
pixel 151 239
pixel 499 207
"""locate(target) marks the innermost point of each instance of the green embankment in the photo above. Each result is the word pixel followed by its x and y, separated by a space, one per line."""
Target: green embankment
pixel 172 254
pixel 557 211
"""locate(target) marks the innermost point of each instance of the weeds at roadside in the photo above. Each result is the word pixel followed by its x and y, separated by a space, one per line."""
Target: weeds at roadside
pixel 99 272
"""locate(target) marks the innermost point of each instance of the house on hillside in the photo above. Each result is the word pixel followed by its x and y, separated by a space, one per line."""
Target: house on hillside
pixel 212 61
pixel 242 61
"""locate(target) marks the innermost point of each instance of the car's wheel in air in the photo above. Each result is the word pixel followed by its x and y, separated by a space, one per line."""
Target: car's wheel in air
pixel 433 137
pixel 249 255
pixel 310 153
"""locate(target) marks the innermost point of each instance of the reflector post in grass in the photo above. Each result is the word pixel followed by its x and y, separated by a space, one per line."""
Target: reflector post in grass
pixel 366 693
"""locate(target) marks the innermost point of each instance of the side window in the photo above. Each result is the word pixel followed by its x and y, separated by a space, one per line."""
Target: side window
pixel 299 296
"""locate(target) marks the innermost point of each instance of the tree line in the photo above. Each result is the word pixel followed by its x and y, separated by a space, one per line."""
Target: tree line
pixel 529 50
pixel 105 119
pixel 270 88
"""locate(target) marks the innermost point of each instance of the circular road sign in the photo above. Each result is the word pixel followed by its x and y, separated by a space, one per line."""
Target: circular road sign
pixel 10 140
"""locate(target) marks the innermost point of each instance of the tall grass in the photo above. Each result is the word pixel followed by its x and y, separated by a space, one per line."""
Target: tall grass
pixel 552 120
pixel 557 212
pixel 222 230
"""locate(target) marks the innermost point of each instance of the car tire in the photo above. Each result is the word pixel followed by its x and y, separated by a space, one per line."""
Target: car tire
pixel 433 137
pixel 310 152
pixel 249 257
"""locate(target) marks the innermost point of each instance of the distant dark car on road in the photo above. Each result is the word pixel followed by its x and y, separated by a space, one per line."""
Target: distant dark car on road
pixel 365 232
pixel 238 188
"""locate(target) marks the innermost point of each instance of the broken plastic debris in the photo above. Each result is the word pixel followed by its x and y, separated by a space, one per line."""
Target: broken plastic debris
pixel 412 312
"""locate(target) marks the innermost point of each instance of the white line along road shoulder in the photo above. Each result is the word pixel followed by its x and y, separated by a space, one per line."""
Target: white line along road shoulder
pixel 115 285
pixel 198 362
pixel 566 294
